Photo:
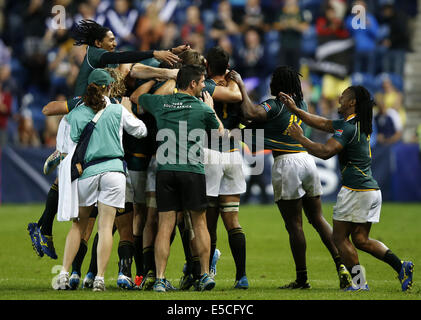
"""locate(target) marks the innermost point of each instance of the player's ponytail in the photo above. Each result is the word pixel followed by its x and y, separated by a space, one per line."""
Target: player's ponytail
pixel 87 32
pixel 364 109
pixel 94 98
pixel 286 79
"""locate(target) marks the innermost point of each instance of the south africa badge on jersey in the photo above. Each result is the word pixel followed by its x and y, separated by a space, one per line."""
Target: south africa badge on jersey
pixel 266 106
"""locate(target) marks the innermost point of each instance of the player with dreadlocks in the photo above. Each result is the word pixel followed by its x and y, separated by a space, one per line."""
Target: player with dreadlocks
pixel 295 179
pixel 100 52
pixel 359 200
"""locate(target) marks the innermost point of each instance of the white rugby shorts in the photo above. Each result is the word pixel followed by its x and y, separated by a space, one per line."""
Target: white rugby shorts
pixel 136 186
pixel 151 175
pixel 224 173
pixel 108 188
pixel 358 206
pixel 294 176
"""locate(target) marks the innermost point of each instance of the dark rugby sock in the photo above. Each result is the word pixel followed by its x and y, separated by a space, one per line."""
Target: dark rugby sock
pixel 50 211
pixel 185 240
pixel 212 251
pixel 174 232
pixel 93 266
pixel 301 276
pixel 125 254
pixel 338 262
pixel 237 242
pixel 77 262
pixel 196 267
pixel 391 259
pixel 138 254
pixel 148 259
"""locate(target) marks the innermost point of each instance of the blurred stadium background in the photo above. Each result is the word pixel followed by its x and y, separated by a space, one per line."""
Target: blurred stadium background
pixel 38 63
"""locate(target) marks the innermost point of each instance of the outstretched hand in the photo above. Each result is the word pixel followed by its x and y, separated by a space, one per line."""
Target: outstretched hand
pixel 287 101
pixel 207 99
pixel 180 49
pixel 235 76
pixel 166 56
pixel 295 131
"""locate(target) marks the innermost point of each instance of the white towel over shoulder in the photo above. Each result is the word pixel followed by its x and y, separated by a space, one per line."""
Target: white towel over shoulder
pixel 68 198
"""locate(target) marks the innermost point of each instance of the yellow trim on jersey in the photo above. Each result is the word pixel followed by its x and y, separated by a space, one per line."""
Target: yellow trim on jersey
pixel 287 144
pixel 175 90
pixel 232 150
pixel 359 170
pixel 139 155
pixel 291 151
pixel 67 107
pixel 351 116
pixel 359 189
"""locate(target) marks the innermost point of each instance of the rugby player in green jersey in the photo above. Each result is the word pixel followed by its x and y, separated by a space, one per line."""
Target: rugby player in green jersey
pixel 359 200
pixel 225 181
pixel 295 179
pixel 187 57
pixel 180 179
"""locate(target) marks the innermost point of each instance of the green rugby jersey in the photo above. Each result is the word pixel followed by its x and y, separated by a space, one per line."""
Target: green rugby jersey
pixel 138 152
pixel 78 101
pixel 279 118
pixel 177 112
pixel 73 103
pixel 355 157
pixel 230 116
pixel 90 62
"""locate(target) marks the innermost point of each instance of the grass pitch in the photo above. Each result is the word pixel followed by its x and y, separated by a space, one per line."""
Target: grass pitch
pixel 25 276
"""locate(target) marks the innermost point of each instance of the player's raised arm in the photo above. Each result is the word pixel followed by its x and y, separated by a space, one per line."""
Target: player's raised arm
pixel 209 101
pixel 141 90
pixel 55 108
pixel 141 71
pixel 250 110
pixel 308 118
pixel 167 88
pixel 229 94
pixel 323 151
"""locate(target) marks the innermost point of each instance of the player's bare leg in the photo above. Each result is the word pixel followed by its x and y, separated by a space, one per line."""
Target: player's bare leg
pixel 313 210
pixel 291 211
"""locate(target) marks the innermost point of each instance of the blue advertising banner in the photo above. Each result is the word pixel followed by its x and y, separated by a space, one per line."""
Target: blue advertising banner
pixel 397 169
pixel 22 178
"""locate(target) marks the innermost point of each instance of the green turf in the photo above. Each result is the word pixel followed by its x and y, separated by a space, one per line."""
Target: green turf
pixel 25 276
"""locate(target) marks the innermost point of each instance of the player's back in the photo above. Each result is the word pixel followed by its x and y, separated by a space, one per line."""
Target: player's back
pixel 279 118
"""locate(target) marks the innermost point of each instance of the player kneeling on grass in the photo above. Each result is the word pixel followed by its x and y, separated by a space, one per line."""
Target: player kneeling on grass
pixel 359 200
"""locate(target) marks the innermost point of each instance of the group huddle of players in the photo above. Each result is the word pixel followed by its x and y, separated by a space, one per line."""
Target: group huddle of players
pixel 297 187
